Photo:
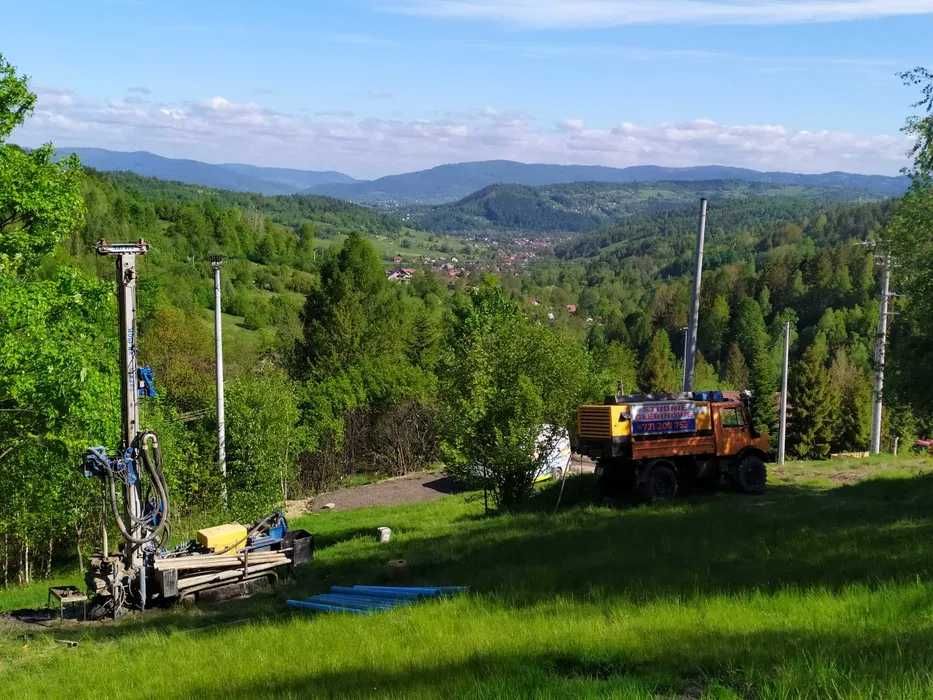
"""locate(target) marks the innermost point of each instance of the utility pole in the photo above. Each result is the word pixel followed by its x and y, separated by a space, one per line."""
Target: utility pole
pixel 880 346
pixel 684 373
pixel 782 434
pixel 216 262
pixel 695 304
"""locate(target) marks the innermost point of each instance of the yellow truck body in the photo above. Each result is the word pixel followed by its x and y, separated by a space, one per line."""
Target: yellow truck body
pixel 614 421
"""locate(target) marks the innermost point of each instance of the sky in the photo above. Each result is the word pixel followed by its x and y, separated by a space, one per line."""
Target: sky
pixel 373 87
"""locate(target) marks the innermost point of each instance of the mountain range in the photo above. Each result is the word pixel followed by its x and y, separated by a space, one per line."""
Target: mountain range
pixel 448 183
pixel 453 181
pixel 237 177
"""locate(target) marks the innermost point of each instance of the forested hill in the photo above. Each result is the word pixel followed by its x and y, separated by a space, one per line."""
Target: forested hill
pixel 451 182
pixel 585 206
pixel 329 215
pixel 736 230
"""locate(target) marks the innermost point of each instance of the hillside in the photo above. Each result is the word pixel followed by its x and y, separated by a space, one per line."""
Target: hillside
pixel 579 207
pixel 227 176
pixel 451 182
pixel 813 590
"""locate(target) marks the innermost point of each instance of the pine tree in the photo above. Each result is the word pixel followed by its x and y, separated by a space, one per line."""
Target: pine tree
pixel 423 342
pixel 658 369
pixel 811 398
pixel 735 371
pixel 851 391
pixel 752 335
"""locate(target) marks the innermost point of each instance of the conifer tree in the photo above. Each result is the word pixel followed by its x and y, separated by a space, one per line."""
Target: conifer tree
pixel 735 371
pixel 658 369
pixel 811 428
pixel 752 336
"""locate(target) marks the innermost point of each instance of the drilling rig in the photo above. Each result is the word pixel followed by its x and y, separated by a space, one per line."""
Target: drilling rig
pixel 144 571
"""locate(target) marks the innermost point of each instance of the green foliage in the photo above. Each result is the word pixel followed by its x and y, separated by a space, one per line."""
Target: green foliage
pixel 56 372
pixel 813 402
pixel 850 388
pixel 735 372
pixel 659 368
pixel 40 202
pixel 752 336
pixel 351 315
pixel 921 126
pixel 16 99
pixel 506 381
pixel 262 440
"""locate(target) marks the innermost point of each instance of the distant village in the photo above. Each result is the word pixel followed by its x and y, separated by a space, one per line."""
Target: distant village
pixel 510 256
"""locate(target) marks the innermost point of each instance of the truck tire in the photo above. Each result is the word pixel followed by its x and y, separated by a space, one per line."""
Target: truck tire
pixel 659 483
pixel 750 475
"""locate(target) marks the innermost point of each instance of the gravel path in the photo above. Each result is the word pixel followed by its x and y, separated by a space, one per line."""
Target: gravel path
pixel 411 488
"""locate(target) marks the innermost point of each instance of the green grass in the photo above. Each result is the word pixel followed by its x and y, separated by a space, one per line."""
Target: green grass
pixel 819 588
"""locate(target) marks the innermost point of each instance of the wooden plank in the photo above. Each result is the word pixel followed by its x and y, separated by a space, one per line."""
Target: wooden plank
pixel 224 562
pixel 220 576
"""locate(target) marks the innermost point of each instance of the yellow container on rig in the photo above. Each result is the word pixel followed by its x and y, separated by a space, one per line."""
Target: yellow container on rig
pixel 223 539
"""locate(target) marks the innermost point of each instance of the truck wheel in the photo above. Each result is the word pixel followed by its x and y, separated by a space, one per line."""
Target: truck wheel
pixel 750 475
pixel 659 484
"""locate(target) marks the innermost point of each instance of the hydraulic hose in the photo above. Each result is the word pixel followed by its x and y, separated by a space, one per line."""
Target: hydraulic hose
pixel 153 466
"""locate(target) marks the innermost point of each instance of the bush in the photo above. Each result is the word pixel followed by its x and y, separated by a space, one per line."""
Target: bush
pixel 510 390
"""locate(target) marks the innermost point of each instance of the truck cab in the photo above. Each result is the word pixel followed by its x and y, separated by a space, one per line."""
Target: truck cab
pixel 661 446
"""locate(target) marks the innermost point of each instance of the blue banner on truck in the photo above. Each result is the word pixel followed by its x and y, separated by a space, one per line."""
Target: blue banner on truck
pixel 664 418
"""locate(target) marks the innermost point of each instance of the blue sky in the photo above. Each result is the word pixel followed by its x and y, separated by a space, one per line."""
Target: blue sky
pixel 373 87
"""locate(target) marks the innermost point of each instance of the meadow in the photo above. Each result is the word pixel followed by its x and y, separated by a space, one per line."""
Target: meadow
pixel 818 588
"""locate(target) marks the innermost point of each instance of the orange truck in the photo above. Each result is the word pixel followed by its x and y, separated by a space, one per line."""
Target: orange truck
pixel 662 446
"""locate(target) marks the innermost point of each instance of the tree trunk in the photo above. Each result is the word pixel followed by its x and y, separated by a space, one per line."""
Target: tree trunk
pixel 78 547
pixel 6 559
pixel 48 562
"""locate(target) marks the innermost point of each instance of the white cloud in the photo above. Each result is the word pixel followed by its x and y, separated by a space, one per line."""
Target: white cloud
pixel 604 13
pixel 222 130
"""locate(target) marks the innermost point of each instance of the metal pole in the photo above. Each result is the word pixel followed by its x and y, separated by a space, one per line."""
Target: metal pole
pixel 684 373
pixel 216 262
pixel 881 341
pixel 695 304
pixel 782 435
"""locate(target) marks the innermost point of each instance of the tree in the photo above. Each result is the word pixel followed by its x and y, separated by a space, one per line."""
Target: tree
pixel 510 388
pixel 752 335
pixel 850 388
pixel 735 372
pixel 659 368
pixel 40 201
pixel 55 360
pixel 262 441
pixel 920 126
pixel 909 239
pixel 813 404
pixel 621 367
pixel 713 326
pixel 352 313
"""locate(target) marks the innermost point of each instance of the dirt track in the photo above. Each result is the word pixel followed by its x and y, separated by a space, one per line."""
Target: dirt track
pixel 411 488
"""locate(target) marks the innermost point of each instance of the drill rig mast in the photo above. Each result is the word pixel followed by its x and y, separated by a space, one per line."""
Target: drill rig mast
pixel 143 571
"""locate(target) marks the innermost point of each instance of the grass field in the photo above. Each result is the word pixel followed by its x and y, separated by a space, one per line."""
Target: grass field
pixel 819 588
